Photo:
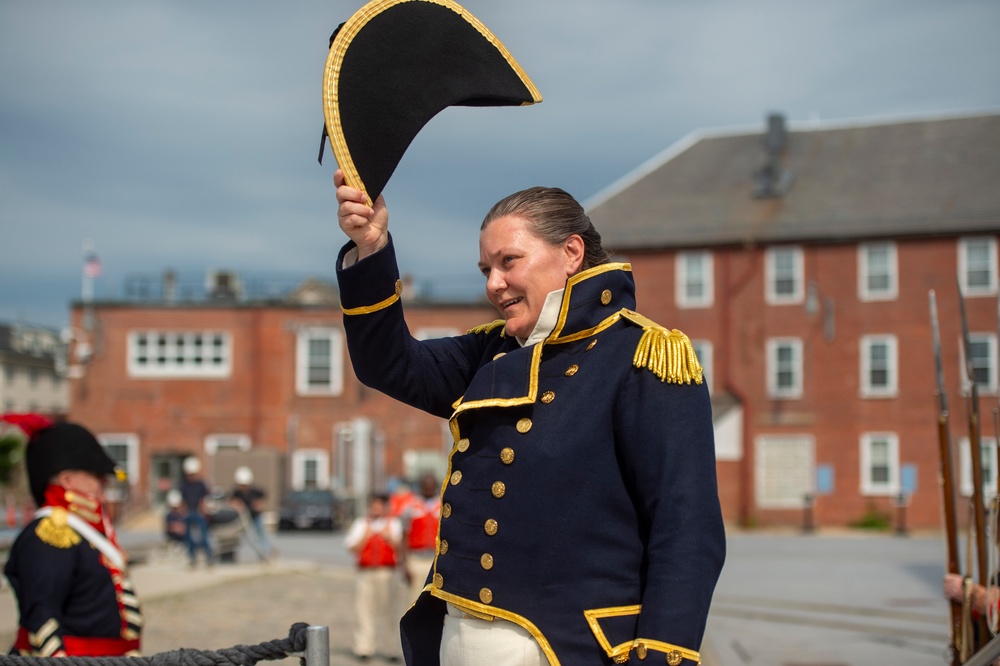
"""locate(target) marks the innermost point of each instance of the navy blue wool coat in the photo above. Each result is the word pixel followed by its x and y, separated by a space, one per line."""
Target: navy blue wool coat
pixel 581 501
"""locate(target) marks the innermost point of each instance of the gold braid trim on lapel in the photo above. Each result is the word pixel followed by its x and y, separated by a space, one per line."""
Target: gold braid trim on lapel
pixel 486 328
pixel 667 353
pixel 55 531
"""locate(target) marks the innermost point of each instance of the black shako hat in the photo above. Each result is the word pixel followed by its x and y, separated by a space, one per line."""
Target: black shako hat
pixel 59 447
pixel 393 66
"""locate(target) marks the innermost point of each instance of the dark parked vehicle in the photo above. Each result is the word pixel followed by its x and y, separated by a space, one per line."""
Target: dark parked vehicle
pixel 310 510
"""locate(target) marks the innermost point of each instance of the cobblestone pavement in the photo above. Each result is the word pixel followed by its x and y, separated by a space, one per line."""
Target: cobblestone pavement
pixel 256 610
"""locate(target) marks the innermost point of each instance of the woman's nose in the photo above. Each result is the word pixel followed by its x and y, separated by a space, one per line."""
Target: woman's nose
pixel 495 281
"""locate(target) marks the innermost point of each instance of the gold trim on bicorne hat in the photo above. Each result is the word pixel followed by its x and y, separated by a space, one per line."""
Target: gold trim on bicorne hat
pixel 393 66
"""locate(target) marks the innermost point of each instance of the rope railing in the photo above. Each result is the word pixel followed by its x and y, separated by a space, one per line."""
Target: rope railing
pixel 310 643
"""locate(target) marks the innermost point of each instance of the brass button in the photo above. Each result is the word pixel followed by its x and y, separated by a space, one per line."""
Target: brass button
pixel 446 510
pixel 399 287
pixel 486 561
pixel 674 658
pixel 462 445
pixel 499 489
pixel 438 581
pixel 592 343
pixel 605 297
pixel 548 397
pixel 524 425
pixel 571 370
pixel 486 595
pixel 456 477
pixel 507 455
pixel 442 547
pixel 640 651
pixel 491 527
pixel 499 355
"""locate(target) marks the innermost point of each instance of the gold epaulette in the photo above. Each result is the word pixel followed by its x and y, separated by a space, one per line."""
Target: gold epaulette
pixel 486 328
pixel 668 353
pixel 54 530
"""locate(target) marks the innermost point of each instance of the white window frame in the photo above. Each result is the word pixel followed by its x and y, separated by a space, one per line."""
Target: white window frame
pixel 771 296
pixel 988 450
pixel 794 491
pixel 991 386
pixel 891 486
pixel 299 459
pixel 865 292
pixel 179 360
pixel 891 389
pixel 223 440
pixel 131 442
pixel 705 353
pixel 706 277
pixel 335 386
pixel 963 265
pixel 773 390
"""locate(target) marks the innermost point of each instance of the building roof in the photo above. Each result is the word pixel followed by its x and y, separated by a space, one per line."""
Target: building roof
pixel 844 181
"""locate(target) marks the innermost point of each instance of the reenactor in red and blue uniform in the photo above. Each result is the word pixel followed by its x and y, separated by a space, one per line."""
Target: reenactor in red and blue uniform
pixel 66 567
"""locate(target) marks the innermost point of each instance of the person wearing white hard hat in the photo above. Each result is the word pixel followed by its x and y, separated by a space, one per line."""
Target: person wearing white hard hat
pixel 249 501
pixel 194 491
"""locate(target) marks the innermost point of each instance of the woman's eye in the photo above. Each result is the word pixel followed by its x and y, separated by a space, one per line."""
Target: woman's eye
pixel 485 272
pixel 508 259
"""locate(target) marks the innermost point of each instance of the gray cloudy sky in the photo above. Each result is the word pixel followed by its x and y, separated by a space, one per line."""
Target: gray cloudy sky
pixel 184 135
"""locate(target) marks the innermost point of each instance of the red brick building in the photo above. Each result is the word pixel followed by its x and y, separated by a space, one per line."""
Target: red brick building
pixel 799 261
pixel 236 379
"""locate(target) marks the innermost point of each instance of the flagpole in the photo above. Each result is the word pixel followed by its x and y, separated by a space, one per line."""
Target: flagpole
pixel 87 287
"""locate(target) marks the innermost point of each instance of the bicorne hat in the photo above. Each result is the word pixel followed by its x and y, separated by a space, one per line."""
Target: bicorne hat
pixel 55 447
pixel 393 66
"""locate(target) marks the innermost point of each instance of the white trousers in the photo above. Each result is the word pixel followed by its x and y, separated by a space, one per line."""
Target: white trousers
pixel 377 614
pixel 468 641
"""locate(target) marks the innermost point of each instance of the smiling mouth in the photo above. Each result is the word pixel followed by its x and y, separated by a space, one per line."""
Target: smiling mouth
pixel 513 301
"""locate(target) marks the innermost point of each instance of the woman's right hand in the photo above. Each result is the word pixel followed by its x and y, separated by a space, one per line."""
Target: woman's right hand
pixel 367 227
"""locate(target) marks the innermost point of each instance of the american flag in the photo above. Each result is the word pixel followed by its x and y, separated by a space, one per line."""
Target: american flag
pixel 91 265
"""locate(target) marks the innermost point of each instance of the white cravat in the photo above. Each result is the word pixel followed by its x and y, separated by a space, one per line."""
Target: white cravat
pixel 547 318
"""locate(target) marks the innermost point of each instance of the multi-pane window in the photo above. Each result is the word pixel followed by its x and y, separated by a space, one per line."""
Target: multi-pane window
pixel 319 362
pixel 988 454
pixel 123 449
pixel 693 281
pixel 189 354
pixel 977 265
pixel 878 365
pixel 877 271
pixel 879 463
pixel 784 367
pixel 310 469
pixel 784 273
pixel 983 359
pixel 785 470
pixel 703 350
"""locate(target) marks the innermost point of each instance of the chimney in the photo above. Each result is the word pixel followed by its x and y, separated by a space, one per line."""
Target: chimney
pixel 771 180
pixel 169 286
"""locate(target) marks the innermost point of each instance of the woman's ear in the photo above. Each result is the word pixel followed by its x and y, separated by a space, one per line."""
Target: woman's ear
pixel 573 249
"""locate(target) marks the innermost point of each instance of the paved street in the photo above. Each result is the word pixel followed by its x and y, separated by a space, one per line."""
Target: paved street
pixel 834 599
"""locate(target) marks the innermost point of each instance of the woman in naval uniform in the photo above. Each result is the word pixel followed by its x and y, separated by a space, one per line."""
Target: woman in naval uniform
pixel 580 521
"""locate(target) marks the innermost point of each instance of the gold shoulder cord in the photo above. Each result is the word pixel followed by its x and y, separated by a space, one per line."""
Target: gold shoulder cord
pixel 486 328
pixel 667 353
pixel 54 530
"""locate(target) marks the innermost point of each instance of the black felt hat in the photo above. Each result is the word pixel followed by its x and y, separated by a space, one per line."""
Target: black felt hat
pixel 393 66
pixel 59 447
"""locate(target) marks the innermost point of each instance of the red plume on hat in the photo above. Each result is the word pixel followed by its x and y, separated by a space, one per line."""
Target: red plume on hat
pixel 31 424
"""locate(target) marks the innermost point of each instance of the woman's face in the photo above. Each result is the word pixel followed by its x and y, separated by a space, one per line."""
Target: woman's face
pixel 521 269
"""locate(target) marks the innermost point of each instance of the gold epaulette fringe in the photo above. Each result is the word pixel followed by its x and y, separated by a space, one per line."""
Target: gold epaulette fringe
pixel 486 328
pixel 668 353
pixel 55 531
